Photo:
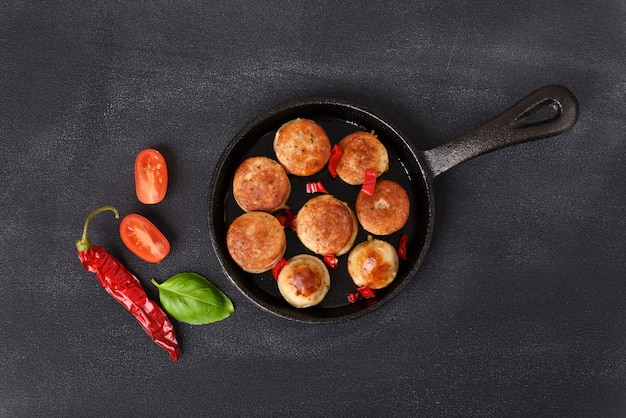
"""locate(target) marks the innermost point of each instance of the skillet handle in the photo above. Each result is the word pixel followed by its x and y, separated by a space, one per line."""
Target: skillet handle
pixel 509 128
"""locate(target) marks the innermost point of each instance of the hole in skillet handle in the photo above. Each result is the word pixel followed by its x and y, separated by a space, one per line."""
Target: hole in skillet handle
pixel 544 113
pixel 547 112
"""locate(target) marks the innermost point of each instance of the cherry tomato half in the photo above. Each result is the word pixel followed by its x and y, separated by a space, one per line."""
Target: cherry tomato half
pixel 143 238
pixel 150 176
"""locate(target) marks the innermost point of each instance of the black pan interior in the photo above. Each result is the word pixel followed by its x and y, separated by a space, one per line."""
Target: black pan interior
pixel 338 119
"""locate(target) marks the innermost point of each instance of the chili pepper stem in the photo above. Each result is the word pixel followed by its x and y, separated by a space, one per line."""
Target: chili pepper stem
pixel 84 244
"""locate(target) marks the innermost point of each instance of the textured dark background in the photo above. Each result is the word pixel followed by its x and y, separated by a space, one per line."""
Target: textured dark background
pixel 519 308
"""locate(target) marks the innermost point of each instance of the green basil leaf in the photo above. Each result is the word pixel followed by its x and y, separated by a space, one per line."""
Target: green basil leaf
pixel 191 298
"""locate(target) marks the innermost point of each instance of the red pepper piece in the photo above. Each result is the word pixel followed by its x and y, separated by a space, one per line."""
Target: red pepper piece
pixel 369 183
pixel 315 187
pixel 281 218
pixel 331 261
pixel 126 289
pixel 404 239
pixel 286 219
pixel 333 162
pixel 366 292
pixel 353 297
pixel 278 267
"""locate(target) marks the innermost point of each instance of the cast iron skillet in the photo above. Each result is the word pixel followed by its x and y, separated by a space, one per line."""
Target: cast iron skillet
pixel 414 169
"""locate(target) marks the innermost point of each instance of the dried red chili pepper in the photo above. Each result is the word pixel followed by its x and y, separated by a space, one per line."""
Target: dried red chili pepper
pixel 126 289
pixel 331 261
pixel 278 267
pixel 404 239
pixel 333 162
pixel 369 183
pixel 315 187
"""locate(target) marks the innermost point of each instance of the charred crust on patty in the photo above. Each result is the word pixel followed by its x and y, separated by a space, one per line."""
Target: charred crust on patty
pixel 256 241
pixel 326 225
pixel 302 147
pixel 361 151
pixel 261 184
pixel 373 263
pixel 385 211
pixel 304 281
